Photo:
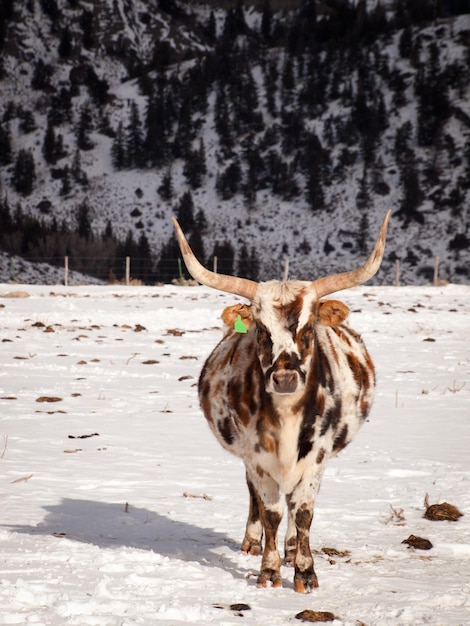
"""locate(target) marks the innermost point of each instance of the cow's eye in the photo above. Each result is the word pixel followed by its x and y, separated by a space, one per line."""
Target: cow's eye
pixel 264 338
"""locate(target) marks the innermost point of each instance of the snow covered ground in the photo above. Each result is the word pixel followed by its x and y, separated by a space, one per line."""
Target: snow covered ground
pixel 140 523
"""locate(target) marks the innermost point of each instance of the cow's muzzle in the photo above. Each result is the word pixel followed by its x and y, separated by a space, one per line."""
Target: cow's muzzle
pixel 285 381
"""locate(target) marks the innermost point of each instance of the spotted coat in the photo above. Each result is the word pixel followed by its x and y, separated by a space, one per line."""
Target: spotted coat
pixel 285 396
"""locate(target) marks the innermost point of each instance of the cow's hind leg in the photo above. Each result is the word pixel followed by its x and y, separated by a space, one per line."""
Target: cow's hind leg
pixel 254 528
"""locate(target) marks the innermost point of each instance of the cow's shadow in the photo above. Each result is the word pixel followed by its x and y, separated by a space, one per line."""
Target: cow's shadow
pixel 109 525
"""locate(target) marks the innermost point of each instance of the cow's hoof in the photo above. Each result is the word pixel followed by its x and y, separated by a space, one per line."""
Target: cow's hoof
pixel 304 582
pixel 268 575
pixel 252 547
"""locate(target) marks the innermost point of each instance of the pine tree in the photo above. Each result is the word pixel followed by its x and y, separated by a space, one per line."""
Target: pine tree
pixel 292 129
pixel 10 112
pixel 228 182
pixel 84 222
pixel 287 81
pixel 202 156
pixel 433 101
pixel 108 231
pixel 49 146
pixel 6 155
pixel 27 122
pixel 315 161
pixel 84 129
pixel 65 45
pixel 266 21
pixel 118 149
pixel 185 212
pixel 256 176
pixel 314 190
pixel 24 173
pixel 223 125
pixel 51 9
pixel 197 245
pixel 104 125
pixel 134 139
pixel 249 190
pixel 248 263
pixel 88 29
pixel 211 29
pixel 6 221
pixel 402 138
pixel 78 174
pixel 155 130
pixel 234 24
pixel 271 76
pixel 195 166
pixel 225 257
pixel 142 266
pixel 98 89
pixel 254 265
pixel 166 188
pixel 60 110
pixel 66 186
pixel 244 98
pixel 405 43
pixel 363 235
pixel 169 264
pixel 412 196
pixel 196 83
pixel 201 221
pixel 41 76
pixel 243 266
pixel 185 132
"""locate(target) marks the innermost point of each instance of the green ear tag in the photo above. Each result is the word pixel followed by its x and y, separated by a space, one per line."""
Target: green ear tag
pixel 239 326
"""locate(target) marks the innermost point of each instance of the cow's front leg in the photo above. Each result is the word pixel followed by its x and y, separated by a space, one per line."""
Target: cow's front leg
pixel 300 504
pixel 270 508
pixel 254 528
pixel 290 541
pixel 271 562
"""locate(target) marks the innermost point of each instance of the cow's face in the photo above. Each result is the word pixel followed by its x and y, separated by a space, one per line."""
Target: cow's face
pixel 284 317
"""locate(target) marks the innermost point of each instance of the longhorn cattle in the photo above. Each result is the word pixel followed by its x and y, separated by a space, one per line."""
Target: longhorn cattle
pixel 285 394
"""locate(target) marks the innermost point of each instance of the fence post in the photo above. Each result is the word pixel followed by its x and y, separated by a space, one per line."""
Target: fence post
pixel 12 269
pixel 66 271
pixel 128 270
pixel 286 270
pixel 436 271
pixel 397 273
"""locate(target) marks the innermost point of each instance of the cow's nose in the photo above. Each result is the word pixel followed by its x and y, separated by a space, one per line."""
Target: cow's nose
pixel 285 381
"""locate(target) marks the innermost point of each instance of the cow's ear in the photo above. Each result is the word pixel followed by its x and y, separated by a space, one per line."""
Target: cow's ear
pixel 332 312
pixel 231 313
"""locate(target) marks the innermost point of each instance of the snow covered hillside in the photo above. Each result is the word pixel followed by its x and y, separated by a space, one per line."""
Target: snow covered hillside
pixel 119 508
pixel 282 135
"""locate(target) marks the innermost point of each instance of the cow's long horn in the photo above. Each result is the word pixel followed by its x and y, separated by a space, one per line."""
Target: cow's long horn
pixel 230 284
pixel 337 282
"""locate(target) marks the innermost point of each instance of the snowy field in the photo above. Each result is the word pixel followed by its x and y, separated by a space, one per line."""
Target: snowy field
pixel 119 508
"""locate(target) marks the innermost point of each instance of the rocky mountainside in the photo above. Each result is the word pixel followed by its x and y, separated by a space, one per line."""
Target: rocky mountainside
pixel 272 135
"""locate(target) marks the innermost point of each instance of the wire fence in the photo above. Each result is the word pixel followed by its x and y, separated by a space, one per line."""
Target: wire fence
pixel 68 270
pixel 126 270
